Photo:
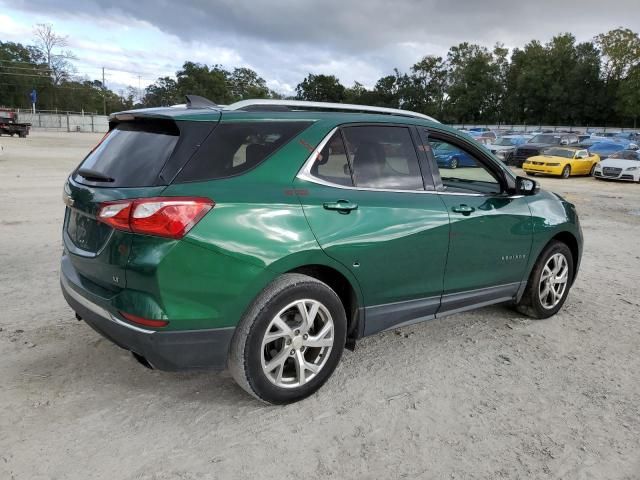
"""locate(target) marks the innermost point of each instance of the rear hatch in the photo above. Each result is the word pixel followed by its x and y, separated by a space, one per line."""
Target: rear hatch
pixel 136 159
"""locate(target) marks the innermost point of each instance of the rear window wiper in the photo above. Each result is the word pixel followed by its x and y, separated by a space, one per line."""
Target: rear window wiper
pixel 94 175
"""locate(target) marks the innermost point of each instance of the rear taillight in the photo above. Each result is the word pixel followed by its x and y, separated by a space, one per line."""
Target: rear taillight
pixel 170 217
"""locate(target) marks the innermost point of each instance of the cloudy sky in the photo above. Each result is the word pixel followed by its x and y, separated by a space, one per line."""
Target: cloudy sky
pixel 284 40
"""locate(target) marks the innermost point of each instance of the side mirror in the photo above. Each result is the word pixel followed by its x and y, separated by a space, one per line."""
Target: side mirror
pixel 526 186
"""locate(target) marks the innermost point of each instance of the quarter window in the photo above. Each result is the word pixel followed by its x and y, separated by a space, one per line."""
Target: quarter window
pixel 383 157
pixel 235 148
pixel 332 163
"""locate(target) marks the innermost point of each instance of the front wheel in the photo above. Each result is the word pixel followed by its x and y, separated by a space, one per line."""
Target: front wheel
pixel 566 171
pixel 549 282
pixel 592 171
pixel 454 163
pixel 290 340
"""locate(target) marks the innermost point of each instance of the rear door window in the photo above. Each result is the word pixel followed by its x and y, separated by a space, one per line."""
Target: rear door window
pixel 130 155
pixel 235 148
pixel 383 157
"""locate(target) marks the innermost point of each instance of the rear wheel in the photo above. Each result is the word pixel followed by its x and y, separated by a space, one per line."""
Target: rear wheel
pixel 549 282
pixel 454 163
pixel 290 340
pixel 566 172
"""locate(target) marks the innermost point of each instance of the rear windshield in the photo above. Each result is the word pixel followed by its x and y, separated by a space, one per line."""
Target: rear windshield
pixel 235 148
pixel 130 155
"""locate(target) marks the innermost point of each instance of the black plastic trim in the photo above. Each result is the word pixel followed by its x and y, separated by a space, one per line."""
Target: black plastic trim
pixel 399 314
pixel 168 351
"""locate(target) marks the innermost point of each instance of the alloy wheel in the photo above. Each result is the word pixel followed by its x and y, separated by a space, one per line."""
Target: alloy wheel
pixel 553 281
pixel 297 343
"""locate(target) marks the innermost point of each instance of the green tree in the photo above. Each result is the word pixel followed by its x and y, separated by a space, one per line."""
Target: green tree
pixel 473 83
pixel 209 82
pixel 426 88
pixel 629 95
pixel 321 88
pixel 163 92
pixel 244 83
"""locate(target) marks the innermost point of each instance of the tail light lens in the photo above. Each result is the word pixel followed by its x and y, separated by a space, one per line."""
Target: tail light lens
pixel 170 217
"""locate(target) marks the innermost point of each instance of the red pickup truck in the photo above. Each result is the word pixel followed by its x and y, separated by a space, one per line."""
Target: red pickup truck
pixel 9 125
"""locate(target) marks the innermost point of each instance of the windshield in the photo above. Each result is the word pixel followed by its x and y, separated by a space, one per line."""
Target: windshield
pixel 559 152
pixel 626 155
pixel 505 142
pixel 551 139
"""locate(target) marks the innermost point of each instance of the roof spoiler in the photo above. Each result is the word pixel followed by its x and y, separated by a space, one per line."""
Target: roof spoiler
pixel 196 101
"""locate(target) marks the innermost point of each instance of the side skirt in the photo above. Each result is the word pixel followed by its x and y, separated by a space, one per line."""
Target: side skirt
pixel 379 318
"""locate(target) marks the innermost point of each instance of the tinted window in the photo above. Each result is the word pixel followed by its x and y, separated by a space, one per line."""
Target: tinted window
pixel 626 155
pixel 552 139
pixel 234 148
pixel 383 157
pixel 461 171
pixel 132 154
pixel 332 164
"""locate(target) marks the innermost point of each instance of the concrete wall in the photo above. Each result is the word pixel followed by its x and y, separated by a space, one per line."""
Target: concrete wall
pixel 63 122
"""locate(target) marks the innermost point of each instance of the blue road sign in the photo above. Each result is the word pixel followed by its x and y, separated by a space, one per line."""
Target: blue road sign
pixel 34 96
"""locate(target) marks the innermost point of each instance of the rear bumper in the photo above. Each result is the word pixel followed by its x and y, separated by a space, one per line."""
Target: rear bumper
pixel 170 351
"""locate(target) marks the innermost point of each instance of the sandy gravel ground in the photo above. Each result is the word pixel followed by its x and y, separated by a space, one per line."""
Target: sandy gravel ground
pixel 487 394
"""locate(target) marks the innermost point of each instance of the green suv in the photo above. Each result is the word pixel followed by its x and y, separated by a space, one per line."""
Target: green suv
pixel 267 236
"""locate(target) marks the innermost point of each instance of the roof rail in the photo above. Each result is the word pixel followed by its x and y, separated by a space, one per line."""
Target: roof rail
pixel 274 105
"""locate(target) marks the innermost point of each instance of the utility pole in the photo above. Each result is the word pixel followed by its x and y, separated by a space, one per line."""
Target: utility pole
pixel 104 98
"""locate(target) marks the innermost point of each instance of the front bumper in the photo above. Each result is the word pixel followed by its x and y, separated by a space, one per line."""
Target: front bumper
pixel 170 351
pixel 547 170
pixel 627 177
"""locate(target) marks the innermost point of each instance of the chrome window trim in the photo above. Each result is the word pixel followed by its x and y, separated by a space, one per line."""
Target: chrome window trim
pixel 305 174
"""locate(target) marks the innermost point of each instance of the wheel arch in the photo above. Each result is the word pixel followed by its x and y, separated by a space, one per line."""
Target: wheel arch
pixel 570 241
pixel 345 290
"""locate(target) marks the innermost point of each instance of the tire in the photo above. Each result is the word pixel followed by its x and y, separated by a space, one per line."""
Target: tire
pixel 533 302
pixel 454 163
pixel 593 169
pixel 530 174
pixel 250 356
pixel 566 172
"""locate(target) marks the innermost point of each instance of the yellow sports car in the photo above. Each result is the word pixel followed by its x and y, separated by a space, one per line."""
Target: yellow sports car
pixel 562 161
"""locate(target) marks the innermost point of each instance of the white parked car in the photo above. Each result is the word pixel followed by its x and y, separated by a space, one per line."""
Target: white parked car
pixel 622 165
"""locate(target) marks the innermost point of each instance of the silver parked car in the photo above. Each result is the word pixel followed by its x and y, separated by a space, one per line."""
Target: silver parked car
pixel 622 165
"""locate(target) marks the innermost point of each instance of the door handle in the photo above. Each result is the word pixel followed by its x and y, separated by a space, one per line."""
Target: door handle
pixel 342 206
pixel 465 210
